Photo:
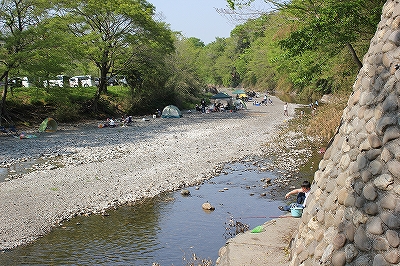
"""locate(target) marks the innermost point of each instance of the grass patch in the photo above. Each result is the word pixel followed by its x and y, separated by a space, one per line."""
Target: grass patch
pixel 30 106
pixel 322 124
pixel 326 121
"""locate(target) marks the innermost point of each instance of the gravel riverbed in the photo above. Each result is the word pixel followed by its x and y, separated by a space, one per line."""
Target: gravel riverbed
pixel 87 170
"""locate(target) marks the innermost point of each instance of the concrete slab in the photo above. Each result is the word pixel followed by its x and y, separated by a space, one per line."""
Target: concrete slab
pixel 269 247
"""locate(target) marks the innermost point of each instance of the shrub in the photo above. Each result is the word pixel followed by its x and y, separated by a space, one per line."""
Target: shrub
pixel 327 118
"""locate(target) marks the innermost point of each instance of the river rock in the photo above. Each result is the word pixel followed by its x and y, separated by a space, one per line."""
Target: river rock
pixel 207 206
pixel 185 192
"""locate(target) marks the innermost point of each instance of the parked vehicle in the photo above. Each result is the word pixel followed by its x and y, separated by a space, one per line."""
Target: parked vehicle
pixel 117 80
pixel 122 81
pixel 15 82
pixel 18 82
pixel 59 81
pixel 81 81
pixel 25 82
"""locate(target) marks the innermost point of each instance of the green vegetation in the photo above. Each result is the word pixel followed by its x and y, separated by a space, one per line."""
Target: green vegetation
pixel 303 49
pixel 31 105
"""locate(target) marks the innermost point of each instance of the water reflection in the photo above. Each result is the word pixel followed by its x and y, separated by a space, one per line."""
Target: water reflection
pixel 20 168
pixel 3 174
pixel 166 229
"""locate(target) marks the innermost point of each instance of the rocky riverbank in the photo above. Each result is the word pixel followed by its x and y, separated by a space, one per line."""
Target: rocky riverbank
pixel 83 169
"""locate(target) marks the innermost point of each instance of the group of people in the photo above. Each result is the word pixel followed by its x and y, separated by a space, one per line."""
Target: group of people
pixel 267 100
pixel 111 122
pixel 216 107
pixel 202 107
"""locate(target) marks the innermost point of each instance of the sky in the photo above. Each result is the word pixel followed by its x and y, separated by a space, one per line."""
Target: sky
pixel 196 18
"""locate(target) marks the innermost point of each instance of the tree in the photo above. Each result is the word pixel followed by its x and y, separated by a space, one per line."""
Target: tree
pixel 319 24
pixel 217 62
pixel 209 69
pixel 317 41
pixel 316 24
pixel 19 22
pixel 183 68
pixel 110 30
pixel 147 74
pixel 53 53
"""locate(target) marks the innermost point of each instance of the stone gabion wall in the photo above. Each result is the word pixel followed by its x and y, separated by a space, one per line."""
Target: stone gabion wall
pixel 353 213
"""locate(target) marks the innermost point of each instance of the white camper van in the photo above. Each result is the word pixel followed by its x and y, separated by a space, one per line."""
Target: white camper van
pixel 81 81
pixel 57 82
pixel 25 82
pixel 19 82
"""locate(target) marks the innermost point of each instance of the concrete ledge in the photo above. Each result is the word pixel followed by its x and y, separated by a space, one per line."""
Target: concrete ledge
pixel 269 248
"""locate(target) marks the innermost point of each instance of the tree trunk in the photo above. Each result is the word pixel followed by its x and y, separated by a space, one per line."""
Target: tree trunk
pixel 354 55
pixel 102 88
pixel 96 100
pixel 4 96
pixel 103 79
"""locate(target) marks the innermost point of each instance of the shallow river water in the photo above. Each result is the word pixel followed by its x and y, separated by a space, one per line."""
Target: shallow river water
pixel 168 229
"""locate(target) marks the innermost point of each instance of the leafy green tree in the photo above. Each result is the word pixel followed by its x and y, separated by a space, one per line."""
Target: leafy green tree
pixel 110 31
pixel 209 68
pixel 184 79
pixel 256 48
pixel 218 63
pixel 322 30
pixel 54 52
pixel 316 24
pixel 313 37
pixel 19 24
pixel 332 24
pixel 147 74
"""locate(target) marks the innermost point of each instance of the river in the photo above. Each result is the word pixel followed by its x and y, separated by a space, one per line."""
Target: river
pixel 169 229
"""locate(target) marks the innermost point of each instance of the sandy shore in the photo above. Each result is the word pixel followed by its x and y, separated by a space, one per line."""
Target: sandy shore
pixel 87 169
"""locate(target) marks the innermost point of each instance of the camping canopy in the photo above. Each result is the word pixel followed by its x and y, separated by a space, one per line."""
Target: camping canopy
pixel 49 124
pixel 221 95
pixel 171 111
pixel 239 92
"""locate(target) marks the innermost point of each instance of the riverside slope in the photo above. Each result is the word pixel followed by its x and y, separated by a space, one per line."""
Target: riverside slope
pixel 106 167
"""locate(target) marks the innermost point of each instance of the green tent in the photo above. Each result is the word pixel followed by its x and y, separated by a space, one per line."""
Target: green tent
pixel 171 111
pixel 49 125
pixel 221 95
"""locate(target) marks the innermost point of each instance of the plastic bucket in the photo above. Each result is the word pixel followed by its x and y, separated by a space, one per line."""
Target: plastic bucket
pixel 296 212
